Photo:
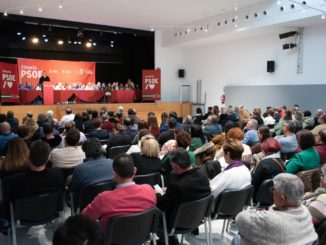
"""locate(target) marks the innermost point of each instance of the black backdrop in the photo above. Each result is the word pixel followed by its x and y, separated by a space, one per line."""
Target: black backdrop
pixel 132 51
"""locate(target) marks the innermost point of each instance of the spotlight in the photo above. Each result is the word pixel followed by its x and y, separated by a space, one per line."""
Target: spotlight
pixel 21 11
pixel 279 2
pixel 35 40
pixel 152 29
pixel 79 43
pixel 88 45
pixel 23 38
pixel 112 45
pixel 60 42
pixel 289 45
pixel 46 40
pixel 188 30
pixel 94 44
pixel 40 9
pixel 288 34
pixel 19 33
pixel 43 35
pixel 323 17
pixel 75 42
pixel 69 42
pixel 60 6
pixel 5 13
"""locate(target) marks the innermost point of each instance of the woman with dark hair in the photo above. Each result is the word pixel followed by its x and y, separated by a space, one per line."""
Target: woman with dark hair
pixel 270 166
pixel 197 137
pixel 16 159
pixel 54 140
pixel 308 158
pixel 257 116
pixel 79 122
pixel 153 126
pixel 198 117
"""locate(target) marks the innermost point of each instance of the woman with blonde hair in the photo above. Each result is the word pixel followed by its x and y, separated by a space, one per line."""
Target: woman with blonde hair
pixel 147 161
pixel 16 159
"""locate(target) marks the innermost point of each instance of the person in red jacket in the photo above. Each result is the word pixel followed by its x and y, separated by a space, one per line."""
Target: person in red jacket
pixel 127 198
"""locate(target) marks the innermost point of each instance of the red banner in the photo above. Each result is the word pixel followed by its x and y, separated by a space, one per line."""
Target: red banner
pixel 9 82
pixel 151 85
pixel 57 70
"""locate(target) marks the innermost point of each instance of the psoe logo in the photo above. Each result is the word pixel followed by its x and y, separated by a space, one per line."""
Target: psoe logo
pixel 150 83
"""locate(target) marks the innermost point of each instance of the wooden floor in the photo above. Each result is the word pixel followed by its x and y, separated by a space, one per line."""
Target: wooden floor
pixel 20 111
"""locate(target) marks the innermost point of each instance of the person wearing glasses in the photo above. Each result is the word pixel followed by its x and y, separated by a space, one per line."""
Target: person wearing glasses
pixel 286 222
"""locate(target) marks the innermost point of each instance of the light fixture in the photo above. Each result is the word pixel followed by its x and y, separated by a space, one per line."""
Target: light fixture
pixel 5 13
pixel 188 30
pixel 46 40
pixel 152 29
pixel 112 45
pixel 235 25
pixel 75 42
pixel 23 38
pixel 279 2
pixel 35 40
pixel 60 42
pixel 21 11
pixel 94 44
pixel 322 16
pixel 60 6
pixel 40 9
pixel 19 33
pixel 88 45
pixel 69 42
pixel 43 35
pixel 79 43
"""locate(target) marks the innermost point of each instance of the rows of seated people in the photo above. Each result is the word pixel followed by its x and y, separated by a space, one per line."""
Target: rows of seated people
pixel 197 155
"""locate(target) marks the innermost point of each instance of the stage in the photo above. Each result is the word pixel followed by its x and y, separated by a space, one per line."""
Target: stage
pixel 20 111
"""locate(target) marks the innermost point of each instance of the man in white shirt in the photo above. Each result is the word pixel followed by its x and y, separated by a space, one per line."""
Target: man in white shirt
pixel 69 117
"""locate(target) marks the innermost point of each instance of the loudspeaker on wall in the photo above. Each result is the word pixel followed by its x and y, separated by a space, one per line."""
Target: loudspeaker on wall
pixel 181 73
pixel 270 66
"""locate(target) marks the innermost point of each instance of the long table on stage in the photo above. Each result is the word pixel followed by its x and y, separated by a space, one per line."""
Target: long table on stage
pixel 28 96
pixel 90 96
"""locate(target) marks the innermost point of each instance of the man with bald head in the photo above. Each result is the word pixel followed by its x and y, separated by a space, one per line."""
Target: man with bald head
pixel 5 136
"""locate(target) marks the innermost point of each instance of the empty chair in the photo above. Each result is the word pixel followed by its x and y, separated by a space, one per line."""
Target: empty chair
pixel 264 197
pixel 116 150
pixel 132 228
pixel 229 203
pixel 87 193
pixel 36 210
pixel 151 179
pixel 187 217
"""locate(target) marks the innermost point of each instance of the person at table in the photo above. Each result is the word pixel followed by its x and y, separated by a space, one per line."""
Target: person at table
pixel 59 86
pixel 43 78
pixel 38 87
pixel 89 86
pixel 130 84
pixel 27 86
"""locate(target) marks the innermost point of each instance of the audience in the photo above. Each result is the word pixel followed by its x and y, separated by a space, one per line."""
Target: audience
pixel 168 134
pixel 286 222
pixel 308 158
pixel 212 128
pixel 269 119
pixel 94 169
pixel 288 140
pixel 135 148
pixel 98 132
pixel 251 136
pixel 286 116
pixel 69 117
pixel 71 155
pixel 153 126
pixel 54 140
pixel 147 160
pixel 236 175
pixel 127 198
pixel 197 137
pixel 263 134
pixel 12 121
pixel 118 137
pixel 321 126
pixel 78 230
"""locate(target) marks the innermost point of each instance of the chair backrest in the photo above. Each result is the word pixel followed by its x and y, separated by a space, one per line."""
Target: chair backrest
pixel 264 195
pixel 321 228
pixel 189 215
pixel 87 193
pixel 230 203
pixel 151 179
pixel 310 179
pixel 117 150
pixel 38 208
pixel 132 228
pixel 67 172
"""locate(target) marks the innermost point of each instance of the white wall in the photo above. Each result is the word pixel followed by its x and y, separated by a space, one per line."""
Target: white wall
pixel 243 62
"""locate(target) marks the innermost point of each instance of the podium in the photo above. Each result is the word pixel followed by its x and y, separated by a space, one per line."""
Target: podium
pixel 48 95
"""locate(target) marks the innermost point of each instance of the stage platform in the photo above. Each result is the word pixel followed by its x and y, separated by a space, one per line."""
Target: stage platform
pixel 20 111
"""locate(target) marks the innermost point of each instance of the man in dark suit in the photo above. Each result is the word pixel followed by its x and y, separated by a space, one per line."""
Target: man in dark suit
pixel 186 184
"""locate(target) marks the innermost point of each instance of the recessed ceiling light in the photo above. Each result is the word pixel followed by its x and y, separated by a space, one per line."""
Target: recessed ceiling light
pixel 60 42
pixel 88 45
pixel 23 38
pixel 21 11
pixel 69 41
pixel 152 29
pixel 323 17
pixel 46 40
pixel 5 13
pixel 19 33
pixel 43 35
pixel 60 6
pixel 75 42
pixel 40 9
pixel 94 44
pixel 35 40
pixel 79 43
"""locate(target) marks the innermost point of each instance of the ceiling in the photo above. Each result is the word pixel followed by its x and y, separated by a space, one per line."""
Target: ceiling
pixel 136 14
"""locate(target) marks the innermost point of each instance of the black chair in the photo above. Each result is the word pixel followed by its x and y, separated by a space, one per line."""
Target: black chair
pixel 151 179
pixel 132 228
pixel 321 229
pixel 187 216
pixel 264 197
pixel 116 150
pixel 229 203
pixel 86 195
pixel 104 142
pixel 36 210
pixel 67 172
